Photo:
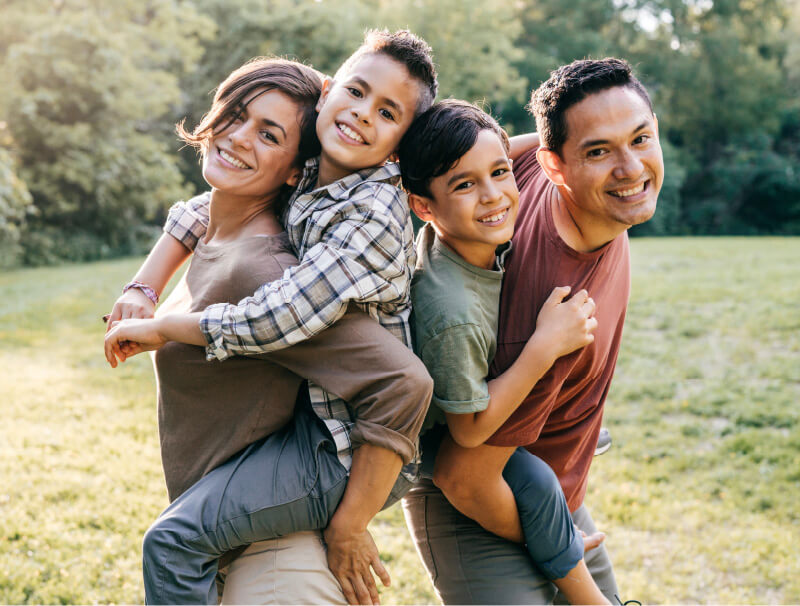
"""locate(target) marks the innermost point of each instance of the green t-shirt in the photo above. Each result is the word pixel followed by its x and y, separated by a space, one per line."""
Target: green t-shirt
pixel 455 325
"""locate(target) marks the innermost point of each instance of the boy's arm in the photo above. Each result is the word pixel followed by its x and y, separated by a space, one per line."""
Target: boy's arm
pixel 522 143
pixel 561 327
pixel 361 258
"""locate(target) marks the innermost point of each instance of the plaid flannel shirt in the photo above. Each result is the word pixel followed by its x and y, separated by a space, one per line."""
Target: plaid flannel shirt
pixel 355 242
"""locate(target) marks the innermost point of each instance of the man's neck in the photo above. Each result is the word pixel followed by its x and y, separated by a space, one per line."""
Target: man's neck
pixel 579 230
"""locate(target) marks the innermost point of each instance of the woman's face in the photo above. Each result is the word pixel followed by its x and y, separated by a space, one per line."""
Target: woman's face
pixel 254 154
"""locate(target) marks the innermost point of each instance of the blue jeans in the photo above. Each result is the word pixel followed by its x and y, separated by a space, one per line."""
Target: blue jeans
pixel 550 536
pixel 287 482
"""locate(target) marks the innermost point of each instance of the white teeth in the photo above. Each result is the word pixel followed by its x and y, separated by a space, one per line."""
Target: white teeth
pixel 491 219
pixel 228 158
pixel 350 133
pixel 628 192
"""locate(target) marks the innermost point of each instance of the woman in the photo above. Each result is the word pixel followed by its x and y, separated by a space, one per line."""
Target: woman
pixel 254 142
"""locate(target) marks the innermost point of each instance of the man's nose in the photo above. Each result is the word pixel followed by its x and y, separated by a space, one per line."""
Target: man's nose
pixel 629 165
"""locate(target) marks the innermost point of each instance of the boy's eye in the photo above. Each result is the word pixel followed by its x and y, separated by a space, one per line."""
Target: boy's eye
pixel 387 114
pixel 355 92
pixel 500 172
pixel 596 153
pixel 464 185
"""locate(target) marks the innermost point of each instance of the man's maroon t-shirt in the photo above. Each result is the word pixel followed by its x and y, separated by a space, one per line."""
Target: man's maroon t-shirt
pixel 559 420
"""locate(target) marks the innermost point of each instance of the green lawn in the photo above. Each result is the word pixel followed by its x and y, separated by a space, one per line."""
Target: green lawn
pixel 698 494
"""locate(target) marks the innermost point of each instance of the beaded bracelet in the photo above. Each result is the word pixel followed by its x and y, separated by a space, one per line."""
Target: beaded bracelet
pixel 148 291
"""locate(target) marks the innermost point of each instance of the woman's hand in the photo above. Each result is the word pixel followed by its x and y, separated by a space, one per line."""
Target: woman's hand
pixel 127 338
pixel 133 303
pixel 566 325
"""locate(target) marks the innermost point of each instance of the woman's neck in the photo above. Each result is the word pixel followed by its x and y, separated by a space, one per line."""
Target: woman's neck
pixel 231 217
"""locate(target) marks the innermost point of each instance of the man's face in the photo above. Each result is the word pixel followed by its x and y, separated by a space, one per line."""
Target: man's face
pixel 611 162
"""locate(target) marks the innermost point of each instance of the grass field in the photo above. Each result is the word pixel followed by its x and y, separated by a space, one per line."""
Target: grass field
pixel 699 493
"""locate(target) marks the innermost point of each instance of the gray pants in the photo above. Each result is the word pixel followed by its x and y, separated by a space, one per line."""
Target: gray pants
pixel 469 565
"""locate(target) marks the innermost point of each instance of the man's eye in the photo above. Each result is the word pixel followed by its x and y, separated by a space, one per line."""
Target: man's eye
pixel 387 114
pixel 641 139
pixel 595 153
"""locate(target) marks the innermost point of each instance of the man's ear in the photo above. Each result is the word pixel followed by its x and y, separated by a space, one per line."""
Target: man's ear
pixel 552 165
pixel 421 206
pixel 327 82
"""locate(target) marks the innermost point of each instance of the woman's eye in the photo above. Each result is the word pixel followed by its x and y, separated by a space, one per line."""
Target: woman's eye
pixel 387 114
pixel 269 136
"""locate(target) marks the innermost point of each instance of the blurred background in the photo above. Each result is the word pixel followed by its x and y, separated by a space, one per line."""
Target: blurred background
pixel 91 91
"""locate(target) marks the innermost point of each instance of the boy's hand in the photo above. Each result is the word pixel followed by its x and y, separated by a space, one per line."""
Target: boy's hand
pixel 130 337
pixel 350 555
pixel 566 325
pixel 133 303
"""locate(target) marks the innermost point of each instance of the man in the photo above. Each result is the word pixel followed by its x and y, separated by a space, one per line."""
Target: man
pixel 597 172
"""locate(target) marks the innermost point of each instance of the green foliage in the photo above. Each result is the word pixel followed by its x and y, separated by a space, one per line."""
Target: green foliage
pixel 15 204
pixel 86 90
pixel 92 90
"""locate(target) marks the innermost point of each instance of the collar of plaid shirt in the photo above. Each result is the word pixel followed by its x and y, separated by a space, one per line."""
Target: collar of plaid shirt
pixel 307 196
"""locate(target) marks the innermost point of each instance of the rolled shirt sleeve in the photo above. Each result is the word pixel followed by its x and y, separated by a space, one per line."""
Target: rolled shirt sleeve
pixel 187 221
pixel 457 360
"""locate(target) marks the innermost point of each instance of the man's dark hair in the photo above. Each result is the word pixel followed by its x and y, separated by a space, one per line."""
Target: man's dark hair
pixel 405 48
pixel 438 138
pixel 572 83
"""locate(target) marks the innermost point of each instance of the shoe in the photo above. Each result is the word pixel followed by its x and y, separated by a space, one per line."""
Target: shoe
pixel 603 442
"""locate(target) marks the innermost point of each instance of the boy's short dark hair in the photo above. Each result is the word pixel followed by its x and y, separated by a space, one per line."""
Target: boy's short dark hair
pixel 570 84
pixel 438 138
pixel 406 48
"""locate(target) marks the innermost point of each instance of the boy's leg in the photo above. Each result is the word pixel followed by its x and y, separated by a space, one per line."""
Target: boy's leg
pixel 549 531
pixel 597 560
pixel 289 481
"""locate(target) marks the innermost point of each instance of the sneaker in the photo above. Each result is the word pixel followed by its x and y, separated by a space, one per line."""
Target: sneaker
pixel 603 442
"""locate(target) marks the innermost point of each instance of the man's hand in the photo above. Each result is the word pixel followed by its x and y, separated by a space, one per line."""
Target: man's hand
pixel 351 553
pixel 130 337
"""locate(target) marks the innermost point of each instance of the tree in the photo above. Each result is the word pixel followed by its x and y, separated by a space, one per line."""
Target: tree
pixel 87 89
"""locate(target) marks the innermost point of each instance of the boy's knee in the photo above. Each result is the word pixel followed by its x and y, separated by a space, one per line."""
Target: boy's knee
pixel 161 537
pixel 418 382
pixel 539 484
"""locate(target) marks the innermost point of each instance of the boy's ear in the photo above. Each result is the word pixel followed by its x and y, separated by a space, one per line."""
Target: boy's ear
pixel 552 165
pixel 294 178
pixel 421 206
pixel 327 82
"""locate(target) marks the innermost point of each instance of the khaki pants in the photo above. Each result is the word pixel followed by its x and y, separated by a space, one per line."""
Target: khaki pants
pixel 469 565
pixel 286 570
